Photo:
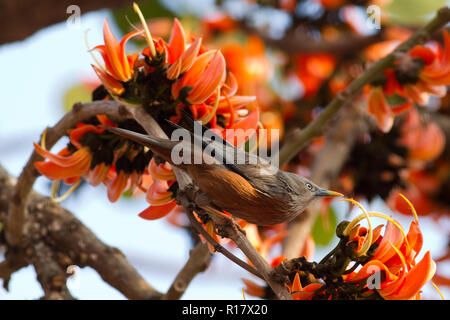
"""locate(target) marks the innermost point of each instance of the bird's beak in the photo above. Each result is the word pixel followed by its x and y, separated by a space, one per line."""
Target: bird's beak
pixel 327 193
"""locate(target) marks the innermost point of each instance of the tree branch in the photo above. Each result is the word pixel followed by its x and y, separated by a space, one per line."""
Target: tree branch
pixel 199 259
pixel 261 265
pixel 59 239
pixel 300 138
pixel 20 19
pixel 227 228
pixel 351 124
pixel 15 225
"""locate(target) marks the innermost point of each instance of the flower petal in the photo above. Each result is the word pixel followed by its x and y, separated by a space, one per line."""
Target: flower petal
pixel 157 212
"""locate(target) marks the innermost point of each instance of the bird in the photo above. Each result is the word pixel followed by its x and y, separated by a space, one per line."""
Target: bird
pixel 253 189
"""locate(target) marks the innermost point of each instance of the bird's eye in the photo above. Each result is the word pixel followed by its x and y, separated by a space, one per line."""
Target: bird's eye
pixel 309 186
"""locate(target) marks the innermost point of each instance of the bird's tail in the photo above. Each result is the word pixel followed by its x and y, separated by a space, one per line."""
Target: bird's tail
pixel 159 146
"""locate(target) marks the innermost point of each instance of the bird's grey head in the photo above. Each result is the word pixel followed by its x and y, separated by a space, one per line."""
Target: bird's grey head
pixel 306 191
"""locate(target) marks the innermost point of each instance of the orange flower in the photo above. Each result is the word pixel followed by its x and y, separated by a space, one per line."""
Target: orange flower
pixel 202 79
pixel 116 186
pixel 437 67
pixel 359 236
pixel 63 167
pixel 249 63
pixel 185 60
pixel 67 165
pixel 424 141
pixel 432 77
pixel 313 69
pixel 177 42
pixel 306 293
pixel 158 193
pixel 162 171
pixel 379 108
pixel 408 284
pixel 158 212
pixel 118 66
pixel 395 257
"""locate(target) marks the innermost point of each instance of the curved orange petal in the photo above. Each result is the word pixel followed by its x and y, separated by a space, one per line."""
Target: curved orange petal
pixel 56 172
pixel 210 79
pixel 162 171
pixel 113 51
pixel 111 84
pixel 98 174
pixel 78 133
pixel 392 237
pixel 158 193
pixel 125 63
pixel 416 278
pixel 192 76
pixel 379 108
pixel 230 86
pixel 296 286
pixel 254 289
pixel 63 161
pixel 415 239
pixel 157 212
pixel 117 186
pixel 413 92
pixel 371 268
pixel 424 53
pixel 104 119
pixel 185 61
pixel 307 292
pixel 403 107
pixel 239 131
pixel 430 145
pixel 237 102
pixel 177 42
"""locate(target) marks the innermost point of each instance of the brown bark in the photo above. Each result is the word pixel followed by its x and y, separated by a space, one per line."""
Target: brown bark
pixel 20 19
pixel 57 240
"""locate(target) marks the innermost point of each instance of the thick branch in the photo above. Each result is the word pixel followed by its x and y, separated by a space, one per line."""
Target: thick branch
pixel 58 240
pixel 20 19
pixel 199 259
pixel 300 138
pixel 50 274
pixel 15 223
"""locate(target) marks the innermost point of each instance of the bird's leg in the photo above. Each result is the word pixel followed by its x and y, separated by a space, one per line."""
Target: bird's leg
pixel 222 221
pixel 192 197
pixel 185 197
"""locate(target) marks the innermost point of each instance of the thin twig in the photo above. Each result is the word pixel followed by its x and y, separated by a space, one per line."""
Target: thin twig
pixel 300 138
pixel 269 275
pixel 219 248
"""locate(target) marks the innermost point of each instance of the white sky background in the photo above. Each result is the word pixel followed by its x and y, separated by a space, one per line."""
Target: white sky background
pixel 35 74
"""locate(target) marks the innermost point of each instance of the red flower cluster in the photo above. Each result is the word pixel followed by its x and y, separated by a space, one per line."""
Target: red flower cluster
pixel 400 276
pixel 423 71
pixel 178 74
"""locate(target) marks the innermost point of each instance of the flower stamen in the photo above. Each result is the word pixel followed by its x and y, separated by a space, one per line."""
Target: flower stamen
pixel 148 35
